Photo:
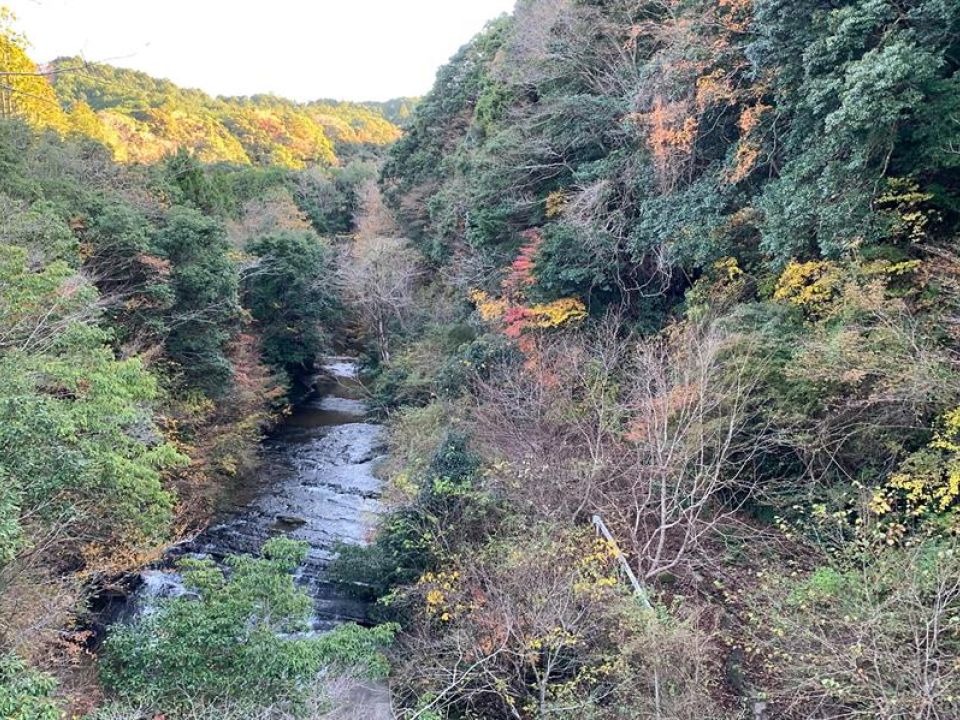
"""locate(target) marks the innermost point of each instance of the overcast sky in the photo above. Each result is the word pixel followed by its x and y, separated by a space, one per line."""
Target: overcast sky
pixel 301 49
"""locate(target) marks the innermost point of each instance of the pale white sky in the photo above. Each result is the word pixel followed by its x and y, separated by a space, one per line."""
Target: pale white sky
pixel 345 49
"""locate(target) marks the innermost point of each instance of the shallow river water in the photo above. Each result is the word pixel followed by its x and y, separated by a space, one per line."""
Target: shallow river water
pixel 316 483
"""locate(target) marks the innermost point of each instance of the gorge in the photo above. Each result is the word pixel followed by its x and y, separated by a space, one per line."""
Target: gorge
pixel 691 267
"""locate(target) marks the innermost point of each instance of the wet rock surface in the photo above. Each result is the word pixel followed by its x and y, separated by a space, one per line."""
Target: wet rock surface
pixel 316 483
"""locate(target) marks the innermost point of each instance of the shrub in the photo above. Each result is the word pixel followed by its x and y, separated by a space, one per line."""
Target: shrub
pixel 25 693
pixel 233 637
pixel 446 512
pixel 548 630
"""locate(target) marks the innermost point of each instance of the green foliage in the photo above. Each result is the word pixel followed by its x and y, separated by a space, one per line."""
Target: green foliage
pixel 121 256
pixel 396 110
pixel 76 434
pixel 187 175
pixel 101 262
pixel 856 93
pixel 124 344
pixel 330 200
pixel 11 536
pixel 447 510
pixel 206 309
pixel 143 119
pixel 822 586
pixel 440 360
pixel 40 230
pixel 453 466
pixel 290 293
pixel 25 693
pixel 25 94
pixel 664 175
pixel 783 172
pixel 418 158
pixel 234 638
pixel 569 263
pixel 476 358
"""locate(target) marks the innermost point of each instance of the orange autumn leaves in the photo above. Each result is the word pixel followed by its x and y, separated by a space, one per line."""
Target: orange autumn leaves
pixel 512 312
pixel 671 136
pixel 691 89
pixel 748 150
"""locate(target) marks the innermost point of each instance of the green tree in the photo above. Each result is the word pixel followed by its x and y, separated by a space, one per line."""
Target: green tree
pixel 206 310
pixel 290 292
pixel 77 440
pixel 24 91
pixel 25 693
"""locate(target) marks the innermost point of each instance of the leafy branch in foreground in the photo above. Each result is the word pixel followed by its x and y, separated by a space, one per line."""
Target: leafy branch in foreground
pixel 235 637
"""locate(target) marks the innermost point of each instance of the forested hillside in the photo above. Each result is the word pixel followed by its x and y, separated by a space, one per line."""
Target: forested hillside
pixel 698 276
pixel 142 119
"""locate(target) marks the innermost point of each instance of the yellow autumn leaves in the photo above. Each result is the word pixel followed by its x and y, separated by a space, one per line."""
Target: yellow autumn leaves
pixel 928 483
pixel 518 318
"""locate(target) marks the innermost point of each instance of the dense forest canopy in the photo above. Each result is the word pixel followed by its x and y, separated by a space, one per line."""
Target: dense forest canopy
pixel 143 119
pixel 664 285
pixel 710 252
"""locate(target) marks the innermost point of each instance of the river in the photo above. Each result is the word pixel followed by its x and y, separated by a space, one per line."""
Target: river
pixel 316 483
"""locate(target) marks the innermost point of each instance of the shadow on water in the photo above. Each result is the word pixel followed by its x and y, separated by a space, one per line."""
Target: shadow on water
pixel 315 483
